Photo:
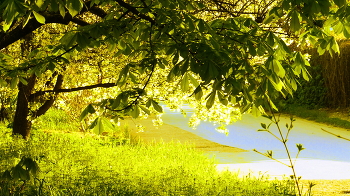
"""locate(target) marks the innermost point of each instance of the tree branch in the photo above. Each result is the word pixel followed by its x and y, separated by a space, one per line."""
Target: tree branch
pixel 40 93
pixel 135 11
pixel 48 103
pixel 18 32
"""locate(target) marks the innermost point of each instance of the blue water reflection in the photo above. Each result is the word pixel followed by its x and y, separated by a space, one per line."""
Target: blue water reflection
pixel 243 134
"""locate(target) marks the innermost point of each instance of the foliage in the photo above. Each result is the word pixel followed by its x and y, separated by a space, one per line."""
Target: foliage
pixel 311 94
pixel 95 166
pixel 7 100
pixel 335 72
pixel 213 52
pixel 317 115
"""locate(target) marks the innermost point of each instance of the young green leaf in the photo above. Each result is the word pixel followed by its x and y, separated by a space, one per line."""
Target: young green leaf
pixel 39 17
pixel 211 99
pixel 23 81
pixel 295 22
pixel 135 112
pixel 62 10
pixel 98 126
pixel 198 93
pixel 184 83
pixel 88 110
pixel 107 123
pixel 300 147
pixel 145 109
pixel 74 7
pixel 14 82
pixel 200 26
pixel 157 107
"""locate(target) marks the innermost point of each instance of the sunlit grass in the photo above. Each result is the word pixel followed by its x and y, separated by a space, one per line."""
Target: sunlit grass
pixel 85 164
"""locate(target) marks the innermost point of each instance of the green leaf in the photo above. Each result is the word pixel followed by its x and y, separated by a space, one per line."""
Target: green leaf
pixel 14 82
pixel 198 93
pixel 295 22
pixel 300 147
pixel 74 7
pixel 201 25
pixel 23 80
pixel 39 3
pixel 269 153
pixel 3 83
pixel 340 3
pixel 294 84
pixel 189 21
pixel 184 83
pixel 62 10
pixel 255 111
pixel 27 17
pixel 278 69
pixel 245 107
pixel 106 122
pixel 270 39
pixel 97 126
pixel 263 125
pixel 145 109
pixel 51 66
pixel 89 109
pixel 222 98
pixel 252 50
pixel 39 17
pixel 211 99
pixel 135 112
pixel 193 80
pixel 157 107
pixel 334 45
pixel 82 40
pixel 69 39
pixel 149 103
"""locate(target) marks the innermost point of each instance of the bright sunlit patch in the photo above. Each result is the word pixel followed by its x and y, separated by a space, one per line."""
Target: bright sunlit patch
pixel 306 168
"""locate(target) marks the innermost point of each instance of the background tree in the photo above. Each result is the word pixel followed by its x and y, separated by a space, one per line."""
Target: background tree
pixel 222 52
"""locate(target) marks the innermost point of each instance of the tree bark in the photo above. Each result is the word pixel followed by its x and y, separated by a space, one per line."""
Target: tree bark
pixel 21 123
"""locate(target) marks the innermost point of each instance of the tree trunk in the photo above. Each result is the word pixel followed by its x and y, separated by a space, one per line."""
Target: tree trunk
pixel 21 123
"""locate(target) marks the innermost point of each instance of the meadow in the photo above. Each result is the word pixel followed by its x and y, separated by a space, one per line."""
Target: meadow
pixel 55 161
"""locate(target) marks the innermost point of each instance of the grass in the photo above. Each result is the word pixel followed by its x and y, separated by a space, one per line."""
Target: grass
pixel 78 164
pixel 315 115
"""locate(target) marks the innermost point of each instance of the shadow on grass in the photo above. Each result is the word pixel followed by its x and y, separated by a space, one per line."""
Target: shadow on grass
pixel 315 115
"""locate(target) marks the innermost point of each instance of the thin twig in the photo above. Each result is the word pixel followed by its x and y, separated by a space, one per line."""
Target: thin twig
pixel 335 134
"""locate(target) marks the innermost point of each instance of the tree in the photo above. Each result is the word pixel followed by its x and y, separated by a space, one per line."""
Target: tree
pixel 218 52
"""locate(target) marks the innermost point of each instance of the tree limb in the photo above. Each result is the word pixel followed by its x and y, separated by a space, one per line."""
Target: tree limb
pixel 18 32
pixel 40 93
pixel 135 11
pixel 48 103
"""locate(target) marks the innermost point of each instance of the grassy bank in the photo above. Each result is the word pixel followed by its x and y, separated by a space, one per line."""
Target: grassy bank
pixel 317 115
pixel 74 164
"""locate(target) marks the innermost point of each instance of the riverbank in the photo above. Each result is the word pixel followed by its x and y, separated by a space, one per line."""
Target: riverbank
pixel 169 133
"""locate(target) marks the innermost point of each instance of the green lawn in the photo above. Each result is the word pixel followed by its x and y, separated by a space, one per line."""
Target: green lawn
pixel 74 164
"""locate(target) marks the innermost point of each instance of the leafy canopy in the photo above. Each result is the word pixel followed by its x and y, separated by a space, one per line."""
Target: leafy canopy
pixel 217 53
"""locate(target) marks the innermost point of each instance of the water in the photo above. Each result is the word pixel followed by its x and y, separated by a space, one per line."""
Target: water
pixel 325 156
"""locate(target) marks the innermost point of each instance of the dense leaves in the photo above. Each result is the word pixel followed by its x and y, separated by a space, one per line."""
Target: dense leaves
pixel 228 53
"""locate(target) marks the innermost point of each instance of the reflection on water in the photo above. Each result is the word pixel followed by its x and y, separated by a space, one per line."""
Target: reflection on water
pixel 325 156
